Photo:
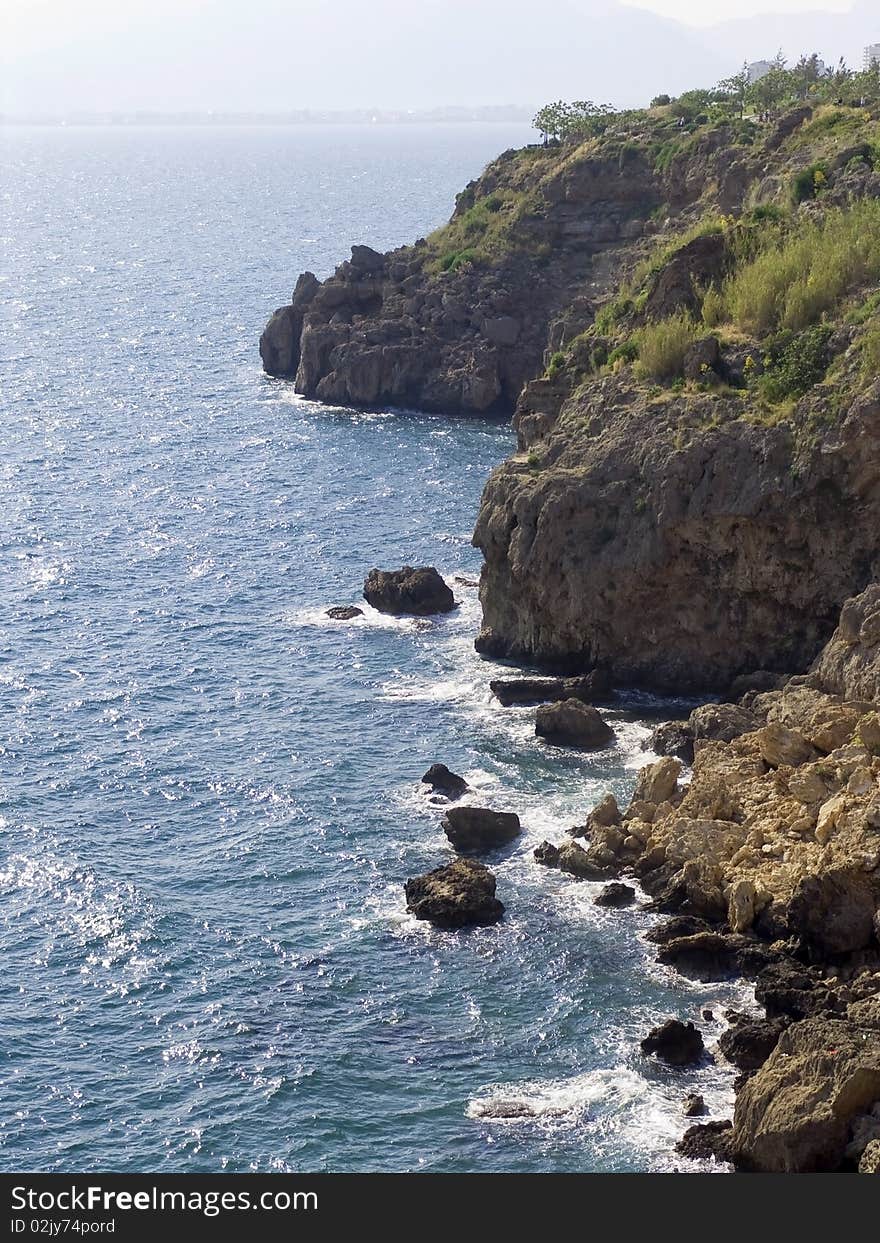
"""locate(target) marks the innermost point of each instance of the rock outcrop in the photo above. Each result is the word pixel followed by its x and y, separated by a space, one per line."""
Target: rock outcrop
pixel 459 895
pixel 673 542
pixel 572 723
pixel 420 591
pixel 679 1044
pixel 441 781
pixel 616 894
pixel 479 828
pixel 849 665
pixel 592 688
pixel 801 1111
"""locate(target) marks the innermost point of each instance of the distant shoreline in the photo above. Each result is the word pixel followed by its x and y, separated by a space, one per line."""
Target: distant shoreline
pixel 501 115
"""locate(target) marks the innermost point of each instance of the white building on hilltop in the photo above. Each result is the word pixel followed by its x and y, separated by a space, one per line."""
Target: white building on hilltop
pixel 759 69
pixel 872 55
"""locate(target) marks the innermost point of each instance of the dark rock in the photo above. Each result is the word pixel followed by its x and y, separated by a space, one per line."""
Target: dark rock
pixel 787 989
pixel 365 259
pixel 715 955
pixel 591 688
pixel 280 342
pixel 677 927
pixel 572 723
pixel 694 1105
pixel 345 612
pixel 693 267
pixel 705 1141
pixel 786 126
pixel 749 1042
pixel 673 738
pixel 761 681
pixel 478 828
pixel 420 591
pixel 701 361
pixel 459 895
pixel 569 857
pixel 679 1044
pixel 616 894
pixel 444 782
pixel 708 1015
pixel 466 582
pixel 833 912
pixel 503 330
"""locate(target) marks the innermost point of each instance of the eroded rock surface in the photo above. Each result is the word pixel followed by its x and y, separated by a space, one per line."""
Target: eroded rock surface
pixel 459 895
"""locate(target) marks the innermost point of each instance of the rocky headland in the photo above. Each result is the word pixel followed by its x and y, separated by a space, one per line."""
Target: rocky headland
pixel 682 314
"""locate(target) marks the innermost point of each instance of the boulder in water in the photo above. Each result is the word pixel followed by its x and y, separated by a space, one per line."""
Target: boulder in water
pixel 445 782
pixel 416 590
pixel 572 723
pixel 459 895
pixel 479 828
pixel 679 1044
pixel 345 612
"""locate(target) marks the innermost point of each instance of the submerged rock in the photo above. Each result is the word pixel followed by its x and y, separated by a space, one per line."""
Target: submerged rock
pixel 479 828
pixel 345 612
pixel 420 591
pixel 444 782
pixel 574 724
pixel 459 895
pixel 679 1044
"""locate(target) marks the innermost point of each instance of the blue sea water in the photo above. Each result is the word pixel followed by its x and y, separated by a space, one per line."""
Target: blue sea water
pixel 209 795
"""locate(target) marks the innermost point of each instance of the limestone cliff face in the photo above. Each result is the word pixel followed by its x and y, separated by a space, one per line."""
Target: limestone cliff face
pixel 676 543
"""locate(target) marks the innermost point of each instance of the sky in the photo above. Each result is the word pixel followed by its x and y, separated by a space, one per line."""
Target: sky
pixel 59 57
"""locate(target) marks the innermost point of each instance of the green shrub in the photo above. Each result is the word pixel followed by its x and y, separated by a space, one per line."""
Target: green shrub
pixel 794 362
pixel 456 258
pixel 862 313
pixel 612 313
pixel 809 182
pixel 556 364
pixel 663 345
pixel 627 352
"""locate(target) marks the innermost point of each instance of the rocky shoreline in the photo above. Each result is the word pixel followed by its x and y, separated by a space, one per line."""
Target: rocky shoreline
pixel 766 864
pixel 694 506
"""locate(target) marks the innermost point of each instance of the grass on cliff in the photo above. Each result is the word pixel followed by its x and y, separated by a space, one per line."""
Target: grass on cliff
pixel 481 233
pixel 662 346
pixel 793 284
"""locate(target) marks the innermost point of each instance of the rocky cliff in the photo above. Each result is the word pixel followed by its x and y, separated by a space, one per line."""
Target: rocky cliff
pixel 696 487
pixel 676 542
pixel 460 321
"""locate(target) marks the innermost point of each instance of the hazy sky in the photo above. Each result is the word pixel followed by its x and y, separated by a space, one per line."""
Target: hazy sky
pixel 59 56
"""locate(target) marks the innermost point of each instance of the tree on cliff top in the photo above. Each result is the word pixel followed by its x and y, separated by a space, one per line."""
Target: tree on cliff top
pixel 560 120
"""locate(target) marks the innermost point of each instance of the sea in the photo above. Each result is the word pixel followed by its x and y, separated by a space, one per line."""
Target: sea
pixel 210 792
